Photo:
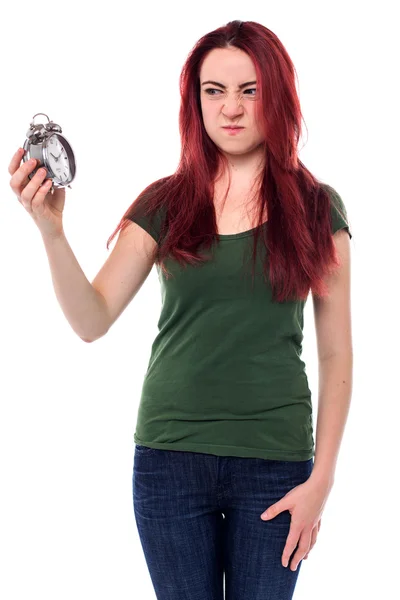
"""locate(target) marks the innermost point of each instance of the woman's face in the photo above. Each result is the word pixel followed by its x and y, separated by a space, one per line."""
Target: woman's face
pixel 224 102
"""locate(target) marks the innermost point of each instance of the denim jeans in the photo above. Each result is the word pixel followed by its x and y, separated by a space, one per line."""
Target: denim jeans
pixel 199 522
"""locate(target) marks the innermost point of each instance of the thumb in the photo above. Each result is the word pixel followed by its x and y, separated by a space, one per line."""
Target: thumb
pixel 274 510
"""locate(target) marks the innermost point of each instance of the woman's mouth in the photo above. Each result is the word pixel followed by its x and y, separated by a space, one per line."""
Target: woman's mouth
pixel 233 130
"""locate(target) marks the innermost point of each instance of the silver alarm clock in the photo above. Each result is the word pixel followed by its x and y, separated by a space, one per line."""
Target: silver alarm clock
pixel 52 151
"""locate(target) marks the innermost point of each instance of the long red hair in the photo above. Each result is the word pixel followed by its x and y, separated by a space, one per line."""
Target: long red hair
pixel 301 251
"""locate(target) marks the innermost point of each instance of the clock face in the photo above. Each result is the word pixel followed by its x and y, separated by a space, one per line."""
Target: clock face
pixel 57 158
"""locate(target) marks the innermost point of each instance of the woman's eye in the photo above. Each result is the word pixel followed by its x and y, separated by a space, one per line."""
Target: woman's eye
pixel 208 90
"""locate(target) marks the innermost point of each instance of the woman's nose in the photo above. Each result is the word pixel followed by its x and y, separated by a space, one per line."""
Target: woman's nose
pixel 232 109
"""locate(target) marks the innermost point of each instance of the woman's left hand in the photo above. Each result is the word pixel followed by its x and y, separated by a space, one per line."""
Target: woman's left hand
pixel 305 503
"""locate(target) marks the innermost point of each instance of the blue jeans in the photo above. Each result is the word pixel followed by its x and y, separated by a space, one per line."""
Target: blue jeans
pixel 198 519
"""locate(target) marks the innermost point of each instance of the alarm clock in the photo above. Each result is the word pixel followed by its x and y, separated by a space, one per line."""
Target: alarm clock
pixel 52 151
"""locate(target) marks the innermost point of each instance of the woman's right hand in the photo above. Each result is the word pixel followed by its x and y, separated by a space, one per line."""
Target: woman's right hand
pixel 46 209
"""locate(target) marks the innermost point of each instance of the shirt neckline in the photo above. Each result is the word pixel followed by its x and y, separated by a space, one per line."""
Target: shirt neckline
pixel 241 234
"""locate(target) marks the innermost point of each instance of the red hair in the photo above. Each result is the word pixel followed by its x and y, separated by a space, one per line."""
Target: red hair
pixel 301 251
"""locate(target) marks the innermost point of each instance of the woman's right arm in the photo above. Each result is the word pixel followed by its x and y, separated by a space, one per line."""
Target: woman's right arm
pixel 82 305
pixel 92 308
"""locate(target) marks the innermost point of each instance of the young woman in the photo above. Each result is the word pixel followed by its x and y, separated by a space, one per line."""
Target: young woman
pixel 228 486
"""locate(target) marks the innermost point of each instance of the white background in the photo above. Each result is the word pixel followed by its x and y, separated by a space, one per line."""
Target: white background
pixel 108 74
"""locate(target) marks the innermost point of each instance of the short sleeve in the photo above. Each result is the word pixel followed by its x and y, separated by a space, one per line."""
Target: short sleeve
pixel 151 223
pixel 338 212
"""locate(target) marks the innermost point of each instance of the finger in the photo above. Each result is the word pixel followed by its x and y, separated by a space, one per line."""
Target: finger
pixel 38 201
pixel 275 509
pixel 31 189
pixel 302 550
pixel 314 535
pixel 20 176
pixel 291 543
pixel 15 161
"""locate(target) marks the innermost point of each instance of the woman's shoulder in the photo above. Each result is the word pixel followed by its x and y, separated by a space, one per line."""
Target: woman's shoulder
pixel 339 214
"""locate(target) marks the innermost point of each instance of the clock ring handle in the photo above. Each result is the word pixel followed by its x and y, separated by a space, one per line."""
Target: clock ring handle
pixel 39 131
pixel 50 126
pixel 40 114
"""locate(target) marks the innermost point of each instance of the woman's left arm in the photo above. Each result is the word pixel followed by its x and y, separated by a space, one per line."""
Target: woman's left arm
pixel 332 317
pixel 306 501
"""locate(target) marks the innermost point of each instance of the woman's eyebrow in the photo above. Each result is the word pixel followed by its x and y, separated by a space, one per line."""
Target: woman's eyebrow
pixel 242 85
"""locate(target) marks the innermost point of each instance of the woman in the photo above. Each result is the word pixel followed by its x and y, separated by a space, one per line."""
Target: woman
pixel 228 488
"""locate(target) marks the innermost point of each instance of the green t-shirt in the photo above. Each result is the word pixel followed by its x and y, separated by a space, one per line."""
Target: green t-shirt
pixel 225 375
